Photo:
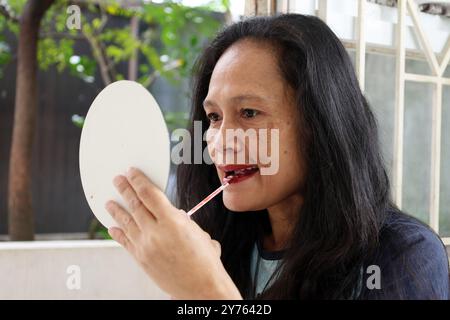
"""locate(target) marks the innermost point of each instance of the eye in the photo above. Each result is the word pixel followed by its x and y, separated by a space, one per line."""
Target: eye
pixel 213 117
pixel 249 113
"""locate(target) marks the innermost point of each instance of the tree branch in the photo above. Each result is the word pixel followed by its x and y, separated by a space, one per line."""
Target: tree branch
pixel 5 11
pixel 98 55
pixel 60 35
pixel 110 65
pixel 155 74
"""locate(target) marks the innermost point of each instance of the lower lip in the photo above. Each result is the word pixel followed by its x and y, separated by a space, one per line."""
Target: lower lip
pixel 242 178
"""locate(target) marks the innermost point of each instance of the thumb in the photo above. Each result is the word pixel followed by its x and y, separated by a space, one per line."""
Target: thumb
pixel 217 247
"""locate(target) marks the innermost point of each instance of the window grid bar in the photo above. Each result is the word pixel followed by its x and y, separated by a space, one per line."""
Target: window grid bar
pixel 397 170
pixel 361 43
pixel 438 68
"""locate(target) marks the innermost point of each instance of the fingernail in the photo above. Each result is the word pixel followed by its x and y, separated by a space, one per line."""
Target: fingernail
pixel 108 205
pixel 130 171
pixel 111 232
pixel 116 180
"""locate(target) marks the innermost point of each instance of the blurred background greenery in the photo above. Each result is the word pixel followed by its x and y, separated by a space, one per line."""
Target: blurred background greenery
pixel 152 42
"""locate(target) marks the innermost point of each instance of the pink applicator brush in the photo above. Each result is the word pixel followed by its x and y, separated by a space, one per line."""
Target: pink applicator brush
pixel 226 183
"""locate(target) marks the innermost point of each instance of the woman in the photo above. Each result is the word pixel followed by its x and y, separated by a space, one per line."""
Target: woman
pixel 323 226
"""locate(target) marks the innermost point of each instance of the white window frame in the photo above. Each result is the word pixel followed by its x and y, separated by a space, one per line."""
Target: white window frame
pixel 438 65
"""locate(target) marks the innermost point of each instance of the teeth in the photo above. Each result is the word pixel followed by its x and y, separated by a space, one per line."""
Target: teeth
pixel 241 171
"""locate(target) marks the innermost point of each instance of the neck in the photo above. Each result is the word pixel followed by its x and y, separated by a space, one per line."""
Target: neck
pixel 283 217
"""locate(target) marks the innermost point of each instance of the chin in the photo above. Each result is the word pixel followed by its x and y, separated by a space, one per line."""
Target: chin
pixel 240 203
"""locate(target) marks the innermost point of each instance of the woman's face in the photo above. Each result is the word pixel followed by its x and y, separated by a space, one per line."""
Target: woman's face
pixel 247 91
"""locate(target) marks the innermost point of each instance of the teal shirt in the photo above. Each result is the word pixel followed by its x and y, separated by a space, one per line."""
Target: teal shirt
pixel 411 257
pixel 262 270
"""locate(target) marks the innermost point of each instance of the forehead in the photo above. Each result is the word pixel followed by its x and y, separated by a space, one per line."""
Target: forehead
pixel 248 67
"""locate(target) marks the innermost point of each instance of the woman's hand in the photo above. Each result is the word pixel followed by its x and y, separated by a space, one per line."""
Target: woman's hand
pixel 173 250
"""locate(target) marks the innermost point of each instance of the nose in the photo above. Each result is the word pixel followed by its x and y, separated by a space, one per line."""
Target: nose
pixel 225 144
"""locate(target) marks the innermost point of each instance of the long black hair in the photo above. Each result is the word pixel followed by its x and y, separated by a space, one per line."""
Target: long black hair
pixel 346 198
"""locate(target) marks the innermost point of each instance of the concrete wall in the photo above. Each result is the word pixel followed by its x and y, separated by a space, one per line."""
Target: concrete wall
pixel 42 270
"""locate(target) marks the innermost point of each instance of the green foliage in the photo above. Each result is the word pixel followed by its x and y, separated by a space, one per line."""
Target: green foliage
pixel 174 119
pixel 170 38
pixel 103 233
pixel 5 54
pixel 6 26
pixel 98 231
pixel 16 5
pixel 78 120
pixel 54 52
pixel 180 30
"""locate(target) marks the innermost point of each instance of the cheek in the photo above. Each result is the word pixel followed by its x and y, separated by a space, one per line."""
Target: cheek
pixel 211 138
pixel 267 190
pixel 211 152
pixel 291 172
pixel 291 158
pixel 288 181
pixel 251 197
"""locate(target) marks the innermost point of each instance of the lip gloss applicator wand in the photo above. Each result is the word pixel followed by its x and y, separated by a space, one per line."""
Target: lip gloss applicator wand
pixel 226 183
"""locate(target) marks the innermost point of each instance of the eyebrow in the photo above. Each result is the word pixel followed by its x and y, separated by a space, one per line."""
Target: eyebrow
pixel 235 99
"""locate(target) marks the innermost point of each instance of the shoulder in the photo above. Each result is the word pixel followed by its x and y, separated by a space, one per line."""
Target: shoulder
pixel 402 234
pixel 412 261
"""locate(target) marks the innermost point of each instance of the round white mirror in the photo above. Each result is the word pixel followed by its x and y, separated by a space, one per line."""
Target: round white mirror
pixel 124 127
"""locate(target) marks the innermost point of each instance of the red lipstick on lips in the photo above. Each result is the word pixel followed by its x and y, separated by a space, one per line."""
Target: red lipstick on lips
pixel 235 173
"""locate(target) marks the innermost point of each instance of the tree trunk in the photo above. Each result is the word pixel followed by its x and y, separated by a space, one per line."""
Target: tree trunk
pixel 20 214
pixel 133 62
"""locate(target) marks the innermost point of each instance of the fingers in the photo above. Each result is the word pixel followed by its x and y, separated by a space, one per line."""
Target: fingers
pixel 153 198
pixel 123 219
pixel 139 212
pixel 119 236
